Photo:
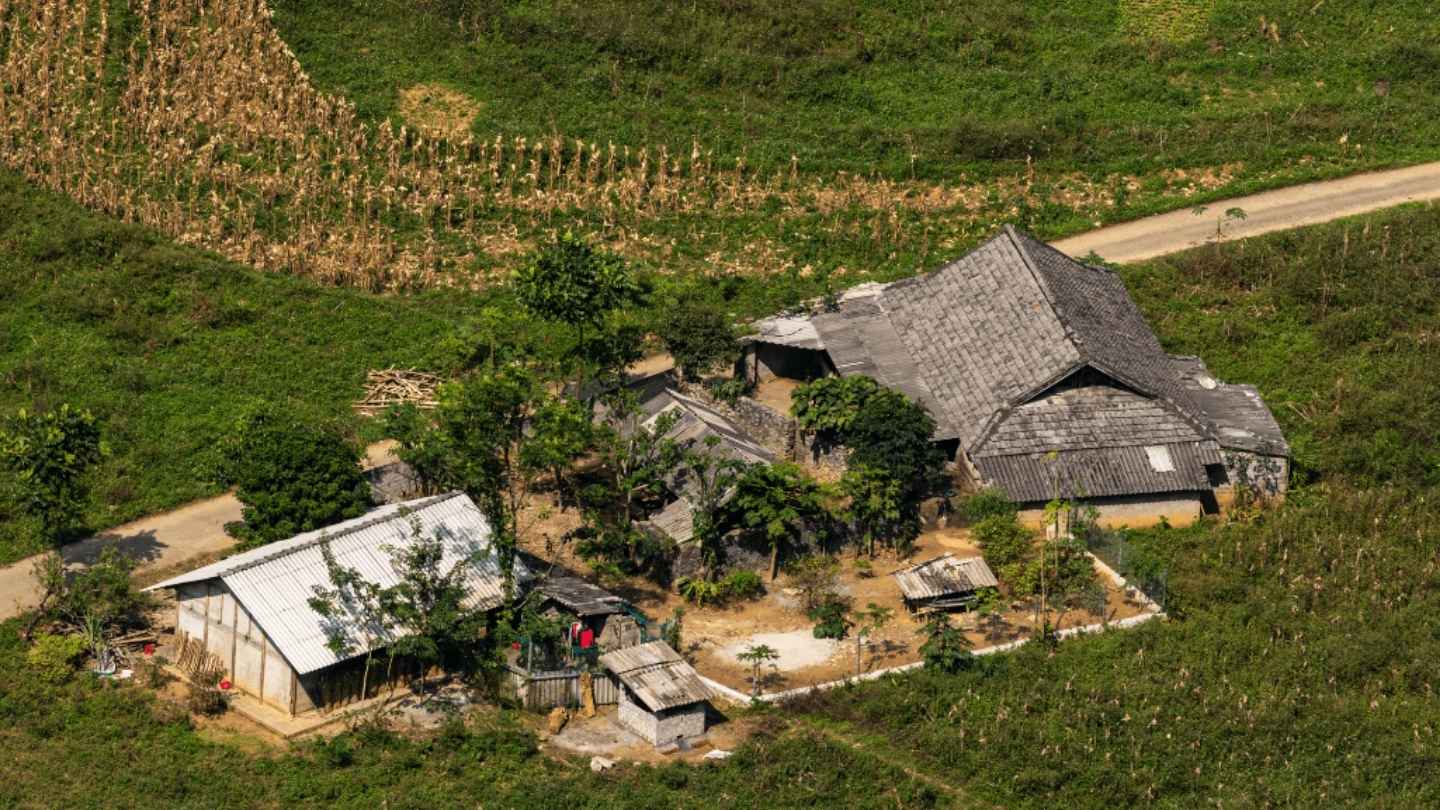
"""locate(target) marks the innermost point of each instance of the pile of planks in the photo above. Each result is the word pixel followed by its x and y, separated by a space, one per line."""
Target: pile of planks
pixel 397 386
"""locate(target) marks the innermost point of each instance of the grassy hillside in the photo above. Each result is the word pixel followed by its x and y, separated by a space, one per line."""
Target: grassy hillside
pixel 168 345
pixel 933 89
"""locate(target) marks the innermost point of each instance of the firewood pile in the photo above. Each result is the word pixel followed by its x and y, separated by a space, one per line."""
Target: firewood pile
pixel 397 386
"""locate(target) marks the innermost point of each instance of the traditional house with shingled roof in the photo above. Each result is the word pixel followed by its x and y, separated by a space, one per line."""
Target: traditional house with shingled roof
pixel 1043 379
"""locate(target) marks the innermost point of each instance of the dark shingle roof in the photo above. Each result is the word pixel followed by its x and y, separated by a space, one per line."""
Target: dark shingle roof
pixel 1236 414
pixel 1087 417
pixel 582 597
pixel 1101 472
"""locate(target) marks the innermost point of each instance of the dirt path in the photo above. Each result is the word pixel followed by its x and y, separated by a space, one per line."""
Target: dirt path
pixel 1270 211
pixel 160 541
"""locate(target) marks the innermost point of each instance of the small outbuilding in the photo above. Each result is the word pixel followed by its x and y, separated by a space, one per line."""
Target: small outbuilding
pixel 946 582
pixel 662 698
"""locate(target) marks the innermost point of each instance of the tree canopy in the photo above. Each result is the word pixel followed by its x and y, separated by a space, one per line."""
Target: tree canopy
pixel 50 454
pixel 698 336
pixel 292 477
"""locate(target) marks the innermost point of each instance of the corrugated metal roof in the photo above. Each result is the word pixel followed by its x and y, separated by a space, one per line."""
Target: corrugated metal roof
pixel 658 676
pixel 676 521
pixel 945 575
pixel 275 582
pixel 787 330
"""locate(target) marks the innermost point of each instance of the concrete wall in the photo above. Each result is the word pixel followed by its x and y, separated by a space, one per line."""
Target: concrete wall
pixel 661 728
pixel 209 612
pixel 1138 512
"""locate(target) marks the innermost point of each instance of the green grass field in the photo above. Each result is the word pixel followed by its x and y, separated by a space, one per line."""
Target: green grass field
pixel 169 345
pixel 929 89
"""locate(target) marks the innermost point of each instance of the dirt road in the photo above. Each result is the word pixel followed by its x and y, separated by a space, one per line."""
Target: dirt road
pixel 1270 211
pixel 158 541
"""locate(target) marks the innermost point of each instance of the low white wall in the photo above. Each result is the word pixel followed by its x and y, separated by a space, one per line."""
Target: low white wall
pixel 735 696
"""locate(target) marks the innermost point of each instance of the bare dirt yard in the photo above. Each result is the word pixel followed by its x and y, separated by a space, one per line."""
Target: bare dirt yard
pixel 714 636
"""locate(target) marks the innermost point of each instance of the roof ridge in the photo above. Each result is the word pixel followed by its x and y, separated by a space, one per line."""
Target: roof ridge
pixel 1046 291
pixel 403 509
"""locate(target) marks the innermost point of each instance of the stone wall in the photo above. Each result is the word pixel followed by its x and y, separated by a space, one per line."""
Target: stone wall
pixel 1267 477
pixel 637 718
pixel 680 723
pixel 775 430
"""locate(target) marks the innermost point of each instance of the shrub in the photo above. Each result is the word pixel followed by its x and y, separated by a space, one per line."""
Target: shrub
pixel 984 504
pixel 743 585
pixel 698 336
pixel 54 658
pixel 815 577
pixel 206 699
pixel 832 619
pixel 700 591
pixel 292 477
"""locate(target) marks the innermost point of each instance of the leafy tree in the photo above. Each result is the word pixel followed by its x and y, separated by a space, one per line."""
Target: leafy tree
pixel 830 404
pixel 568 282
pixel 50 456
pixel 832 618
pixel 423 615
pixel 101 592
pixel 774 503
pixel 816 577
pixel 892 433
pixel 867 622
pixel 292 477
pixel 698 336
pixel 428 604
pixel 475 442
pixel 879 510
pixel 1008 548
pixel 354 613
pixel 560 433
pixel 946 647
pixel 757 656
pixel 634 463
pixel 708 480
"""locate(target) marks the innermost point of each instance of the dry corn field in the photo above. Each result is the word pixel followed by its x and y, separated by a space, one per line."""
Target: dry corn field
pixel 201 123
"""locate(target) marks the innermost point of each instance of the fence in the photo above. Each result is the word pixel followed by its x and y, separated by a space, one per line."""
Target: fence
pixel 539 691
pixel 1139 567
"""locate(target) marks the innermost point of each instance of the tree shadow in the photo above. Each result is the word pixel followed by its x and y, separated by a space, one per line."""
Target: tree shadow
pixel 142 546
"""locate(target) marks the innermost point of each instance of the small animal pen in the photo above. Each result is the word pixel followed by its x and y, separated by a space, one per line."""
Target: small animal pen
pixel 944 583
pixel 662 698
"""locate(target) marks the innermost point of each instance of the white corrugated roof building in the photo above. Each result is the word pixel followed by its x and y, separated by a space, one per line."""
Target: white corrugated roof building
pixel 275 582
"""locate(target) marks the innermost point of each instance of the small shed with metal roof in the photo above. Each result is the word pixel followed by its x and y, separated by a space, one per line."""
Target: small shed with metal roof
pixel 251 612
pixel 944 583
pixel 662 697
